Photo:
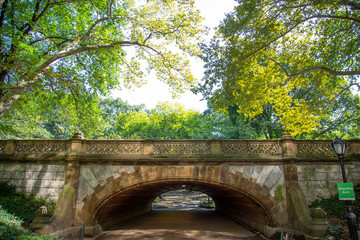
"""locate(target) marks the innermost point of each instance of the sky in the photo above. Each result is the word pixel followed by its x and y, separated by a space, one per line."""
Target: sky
pixel 155 91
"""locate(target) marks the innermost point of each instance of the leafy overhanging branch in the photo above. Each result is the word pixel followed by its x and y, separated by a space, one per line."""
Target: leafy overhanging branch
pixel 55 48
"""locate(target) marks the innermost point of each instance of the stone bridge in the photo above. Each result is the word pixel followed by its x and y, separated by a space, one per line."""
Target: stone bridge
pixel 264 184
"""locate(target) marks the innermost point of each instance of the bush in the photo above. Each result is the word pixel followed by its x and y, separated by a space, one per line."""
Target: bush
pixel 11 229
pixel 207 204
pixel 17 211
pixel 22 205
pixel 336 213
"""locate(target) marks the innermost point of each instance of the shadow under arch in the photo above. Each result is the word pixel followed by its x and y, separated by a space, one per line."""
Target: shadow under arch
pixel 240 204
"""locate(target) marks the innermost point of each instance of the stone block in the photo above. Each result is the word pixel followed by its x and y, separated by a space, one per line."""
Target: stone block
pixel 33 184
pixel 248 171
pixel 256 172
pixel 19 175
pixel 264 174
pixel 46 168
pixel 35 167
pixel 234 169
pixel 14 168
pixel 6 175
pixel 16 182
pixel 87 173
pixel 274 176
pixel 53 184
pixel 84 189
pixel 279 183
pixel 41 175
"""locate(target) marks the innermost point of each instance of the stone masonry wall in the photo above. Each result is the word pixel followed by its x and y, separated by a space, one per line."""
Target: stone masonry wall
pixel 317 180
pixel 44 181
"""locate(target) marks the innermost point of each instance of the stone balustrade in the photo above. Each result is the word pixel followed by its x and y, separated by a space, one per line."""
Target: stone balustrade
pixel 242 149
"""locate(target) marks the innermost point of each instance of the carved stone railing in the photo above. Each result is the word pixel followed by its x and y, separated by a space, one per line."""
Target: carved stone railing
pixel 236 147
pixel 113 147
pixel 318 147
pixel 83 148
pixel 181 147
pixel 40 147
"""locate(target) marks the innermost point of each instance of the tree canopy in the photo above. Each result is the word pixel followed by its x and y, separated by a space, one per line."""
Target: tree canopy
pixel 68 53
pixel 273 51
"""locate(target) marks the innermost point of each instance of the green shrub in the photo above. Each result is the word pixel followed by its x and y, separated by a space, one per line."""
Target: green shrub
pixel 336 213
pixel 207 204
pixel 17 211
pixel 22 205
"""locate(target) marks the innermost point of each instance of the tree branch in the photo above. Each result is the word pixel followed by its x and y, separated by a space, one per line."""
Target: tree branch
pixel 4 5
pixel 288 31
pixel 326 69
pixel 279 65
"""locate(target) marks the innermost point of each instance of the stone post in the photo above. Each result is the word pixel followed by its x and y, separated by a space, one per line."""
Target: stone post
pixel 355 147
pixel 65 212
pixel 289 147
pixel 215 147
pixel 299 215
pixel 148 145
pixel 10 147
pixel 75 144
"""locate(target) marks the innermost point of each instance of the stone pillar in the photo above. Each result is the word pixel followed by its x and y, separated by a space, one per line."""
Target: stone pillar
pixel 148 147
pixel 355 147
pixel 289 147
pixel 215 147
pixel 65 211
pixel 75 144
pixel 10 147
pixel 299 215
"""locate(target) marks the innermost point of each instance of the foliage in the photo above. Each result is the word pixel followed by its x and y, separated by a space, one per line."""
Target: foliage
pixel 343 121
pixel 207 204
pixel 21 205
pixel 165 121
pixel 68 53
pixel 16 212
pixel 336 213
pixel 120 120
pixel 263 126
pixel 112 109
pixel 266 52
pixel 53 118
pixel 173 121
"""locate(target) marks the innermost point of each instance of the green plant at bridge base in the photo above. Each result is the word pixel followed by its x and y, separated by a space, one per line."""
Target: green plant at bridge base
pixel 336 214
pixel 17 211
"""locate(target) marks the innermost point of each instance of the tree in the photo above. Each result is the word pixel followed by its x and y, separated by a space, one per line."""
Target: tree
pixel 265 51
pixel 165 121
pixel 112 109
pixel 76 49
pixel 46 116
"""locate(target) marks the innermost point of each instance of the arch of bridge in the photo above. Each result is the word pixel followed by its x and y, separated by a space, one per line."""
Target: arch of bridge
pixel 253 193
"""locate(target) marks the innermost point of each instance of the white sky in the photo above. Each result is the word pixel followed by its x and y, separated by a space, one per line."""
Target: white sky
pixel 155 91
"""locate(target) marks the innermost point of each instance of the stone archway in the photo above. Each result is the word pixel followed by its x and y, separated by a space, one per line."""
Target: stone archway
pixel 127 192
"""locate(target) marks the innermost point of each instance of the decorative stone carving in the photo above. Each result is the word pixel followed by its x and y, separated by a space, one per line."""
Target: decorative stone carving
pixel 250 148
pixel 113 148
pixel 181 148
pixel 42 148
